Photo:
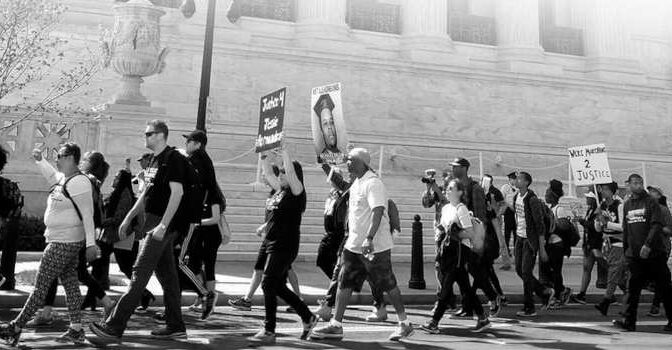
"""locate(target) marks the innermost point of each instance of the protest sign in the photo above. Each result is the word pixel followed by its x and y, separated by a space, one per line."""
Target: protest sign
pixel 271 117
pixel 590 165
pixel 328 125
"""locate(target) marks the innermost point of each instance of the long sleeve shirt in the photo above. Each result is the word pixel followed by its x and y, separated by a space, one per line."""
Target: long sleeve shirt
pixel 642 226
pixel 60 217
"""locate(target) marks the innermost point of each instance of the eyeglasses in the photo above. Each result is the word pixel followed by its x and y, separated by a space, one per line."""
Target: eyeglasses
pixel 60 156
pixel 277 171
pixel 150 133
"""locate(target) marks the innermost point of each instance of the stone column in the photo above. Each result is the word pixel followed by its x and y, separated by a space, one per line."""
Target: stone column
pixel 606 43
pixel 425 30
pixel 320 21
pixel 518 44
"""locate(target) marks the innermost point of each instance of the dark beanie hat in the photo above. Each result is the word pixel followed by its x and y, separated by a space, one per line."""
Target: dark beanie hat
pixel 556 187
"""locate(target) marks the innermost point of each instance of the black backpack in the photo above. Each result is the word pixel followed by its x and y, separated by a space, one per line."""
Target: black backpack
pixel 11 199
pixel 95 194
pixel 191 205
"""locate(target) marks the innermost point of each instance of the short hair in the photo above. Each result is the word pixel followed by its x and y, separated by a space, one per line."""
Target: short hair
pixel 159 126
pixel 73 150
pixel 525 176
pixel 97 166
pixel 3 157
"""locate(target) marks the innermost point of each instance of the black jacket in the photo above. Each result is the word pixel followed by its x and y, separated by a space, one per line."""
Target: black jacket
pixel 534 218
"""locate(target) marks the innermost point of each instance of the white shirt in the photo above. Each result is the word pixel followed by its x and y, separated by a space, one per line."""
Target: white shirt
pixel 366 193
pixel 508 191
pixel 521 224
pixel 451 214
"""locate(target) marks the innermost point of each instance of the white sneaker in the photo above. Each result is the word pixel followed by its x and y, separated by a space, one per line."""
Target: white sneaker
pixel 378 315
pixel 324 312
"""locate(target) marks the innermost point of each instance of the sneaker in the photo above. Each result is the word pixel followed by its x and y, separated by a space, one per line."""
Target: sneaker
pixel 308 327
pixel 9 333
pixel 329 331
pixel 101 330
pixel 654 312
pixel 565 296
pixel 196 306
pixel 548 299
pixel 263 337
pixel 526 313
pixel 210 303
pixel 496 306
pixel 40 321
pixel 579 298
pixel 160 317
pixel 482 325
pixel 324 311
pixel 402 331
pixel 241 304
pixel 72 336
pixel 623 325
pixel 461 314
pixel 431 327
pixel 378 315
pixel 167 333
pixel 603 306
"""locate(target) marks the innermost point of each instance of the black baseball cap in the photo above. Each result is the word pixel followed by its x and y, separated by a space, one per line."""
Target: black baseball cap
pixel 198 136
pixel 633 177
pixel 460 162
pixel 512 175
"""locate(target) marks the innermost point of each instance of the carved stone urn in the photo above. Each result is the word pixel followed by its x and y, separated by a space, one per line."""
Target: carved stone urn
pixel 133 48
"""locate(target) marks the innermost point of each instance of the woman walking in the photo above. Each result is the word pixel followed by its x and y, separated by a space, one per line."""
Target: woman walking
pixel 286 208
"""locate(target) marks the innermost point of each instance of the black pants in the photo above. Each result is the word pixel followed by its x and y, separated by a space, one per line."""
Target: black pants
pixel 453 267
pixel 641 272
pixel 552 270
pixel 203 250
pixel 494 279
pixel 526 258
pixel 94 288
pixel 8 261
pixel 274 285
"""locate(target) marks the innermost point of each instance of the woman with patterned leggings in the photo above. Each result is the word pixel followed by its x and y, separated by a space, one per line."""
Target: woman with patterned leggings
pixel 65 235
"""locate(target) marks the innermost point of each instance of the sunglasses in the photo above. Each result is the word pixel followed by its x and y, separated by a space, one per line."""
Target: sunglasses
pixel 150 133
pixel 277 171
pixel 61 156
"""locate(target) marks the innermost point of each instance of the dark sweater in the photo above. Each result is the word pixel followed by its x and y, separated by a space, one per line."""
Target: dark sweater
pixel 643 225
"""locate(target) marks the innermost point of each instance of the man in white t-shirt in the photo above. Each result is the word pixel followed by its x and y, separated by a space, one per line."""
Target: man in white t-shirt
pixel 367 250
pixel 555 246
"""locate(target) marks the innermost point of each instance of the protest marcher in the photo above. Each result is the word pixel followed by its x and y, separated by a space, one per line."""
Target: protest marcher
pixel 245 303
pixel 206 238
pixel 339 210
pixel 434 196
pixel 591 247
pixel 658 195
pixel 11 202
pixel 609 222
pixel 166 177
pixel 286 208
pixel 531 239
pixel 95 168
pixel 645 252
pixel 367 252
pixel 139 178
pixel 66 234
pixel 117 205
pixel 457 249
pixel 509 190
pixel 495 204
pixel 480 264
pixel 557 245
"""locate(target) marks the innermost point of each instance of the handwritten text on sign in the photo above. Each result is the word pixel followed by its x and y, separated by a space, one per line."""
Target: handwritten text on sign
pixel 590 165
pixel 271 116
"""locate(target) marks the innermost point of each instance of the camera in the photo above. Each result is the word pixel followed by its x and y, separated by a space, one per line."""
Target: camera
pixel 429 176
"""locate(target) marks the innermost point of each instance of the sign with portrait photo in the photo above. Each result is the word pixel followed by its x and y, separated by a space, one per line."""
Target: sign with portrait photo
pixel 328 124
pixel 271 117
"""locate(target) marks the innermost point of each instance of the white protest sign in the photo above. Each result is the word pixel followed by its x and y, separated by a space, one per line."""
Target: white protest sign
pixel 590 165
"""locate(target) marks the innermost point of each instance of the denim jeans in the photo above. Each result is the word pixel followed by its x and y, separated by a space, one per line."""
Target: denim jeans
pixel 526 257
pixel 154 256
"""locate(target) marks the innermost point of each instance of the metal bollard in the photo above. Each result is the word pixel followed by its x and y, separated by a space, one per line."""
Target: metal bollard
pixel 417 262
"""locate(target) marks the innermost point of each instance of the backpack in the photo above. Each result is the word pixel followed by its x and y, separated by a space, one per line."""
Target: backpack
pixel 549 220
pixel 478 239
pixel 11 199
pixel 191 205
pixel 570 236
pixel 96 195
pixel 393 213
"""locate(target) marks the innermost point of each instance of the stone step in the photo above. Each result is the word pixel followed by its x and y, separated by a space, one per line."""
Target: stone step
pixel 402 240
pixel 312 220
pixel 426 216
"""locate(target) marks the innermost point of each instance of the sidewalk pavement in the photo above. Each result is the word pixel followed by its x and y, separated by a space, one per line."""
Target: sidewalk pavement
pixel 233 280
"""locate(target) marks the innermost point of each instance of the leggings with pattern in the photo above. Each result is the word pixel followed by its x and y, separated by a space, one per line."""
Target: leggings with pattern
pixel 59 261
